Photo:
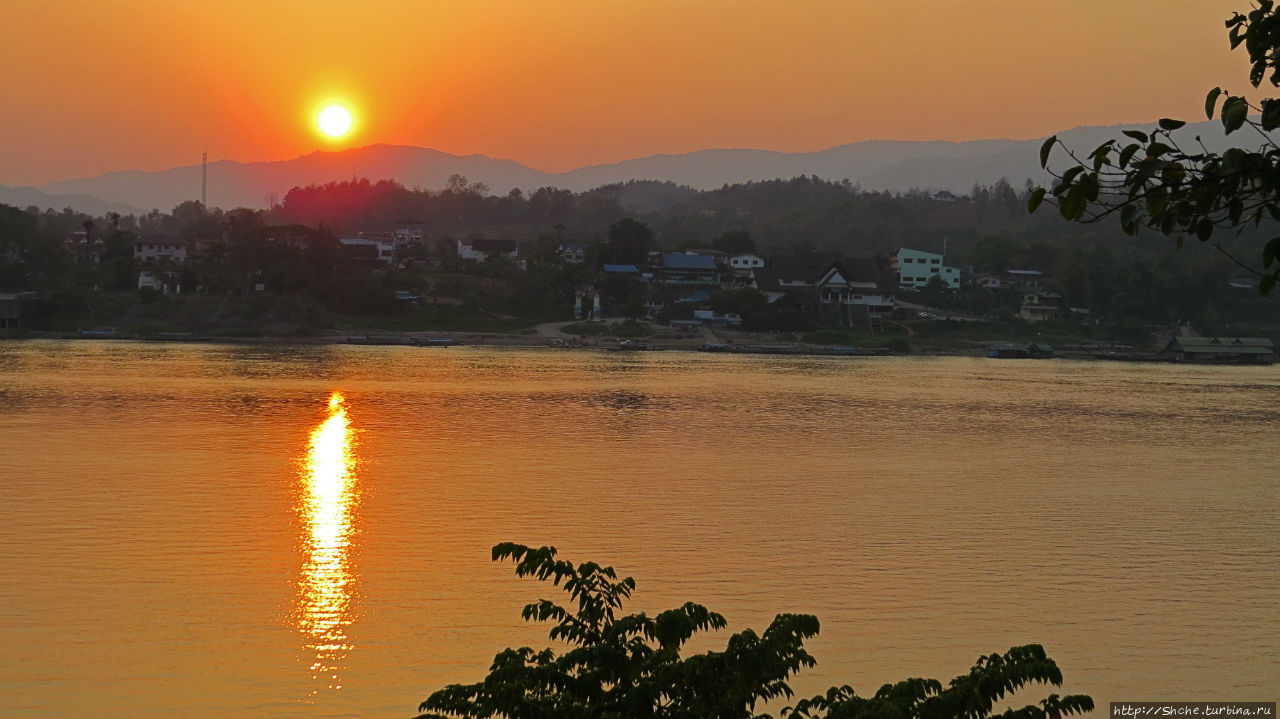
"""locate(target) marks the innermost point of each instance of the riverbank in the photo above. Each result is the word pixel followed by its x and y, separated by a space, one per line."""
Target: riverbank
pixel 550 337
pixel 922 338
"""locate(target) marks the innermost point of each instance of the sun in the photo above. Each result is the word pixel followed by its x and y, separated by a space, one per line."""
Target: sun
pixel 334 121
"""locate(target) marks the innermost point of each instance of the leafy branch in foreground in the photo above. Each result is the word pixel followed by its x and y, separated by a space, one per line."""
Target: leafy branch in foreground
pixel 1157 183
pixel 630 666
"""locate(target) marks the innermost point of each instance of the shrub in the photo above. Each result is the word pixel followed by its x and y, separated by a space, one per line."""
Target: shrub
pixel 630 665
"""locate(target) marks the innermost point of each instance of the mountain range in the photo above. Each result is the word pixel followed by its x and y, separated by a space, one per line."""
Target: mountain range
pixel 873 165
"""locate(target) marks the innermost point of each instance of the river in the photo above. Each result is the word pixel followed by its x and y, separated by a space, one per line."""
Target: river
pixel 259 530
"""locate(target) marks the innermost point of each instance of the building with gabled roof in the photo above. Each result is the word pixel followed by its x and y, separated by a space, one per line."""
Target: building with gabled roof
pixel 85 248
pixel 1225 350
pixel 856 291
pixel 803 269
pixel 573 252
pixel 765 279
pixel 1040 305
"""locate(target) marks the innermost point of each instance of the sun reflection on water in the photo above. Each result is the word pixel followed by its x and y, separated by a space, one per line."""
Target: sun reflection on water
pixel 326 586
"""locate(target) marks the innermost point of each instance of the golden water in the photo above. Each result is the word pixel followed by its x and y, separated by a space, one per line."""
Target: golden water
pixel 304 531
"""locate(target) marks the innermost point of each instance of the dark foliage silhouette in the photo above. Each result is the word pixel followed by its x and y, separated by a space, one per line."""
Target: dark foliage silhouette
pixel 631 665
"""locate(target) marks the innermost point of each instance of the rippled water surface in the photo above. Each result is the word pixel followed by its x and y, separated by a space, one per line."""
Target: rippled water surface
pixel 209 530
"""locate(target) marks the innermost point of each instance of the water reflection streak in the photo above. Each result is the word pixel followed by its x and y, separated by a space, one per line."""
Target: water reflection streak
pixel 326 587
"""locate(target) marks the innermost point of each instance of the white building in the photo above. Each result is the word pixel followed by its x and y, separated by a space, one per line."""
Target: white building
pixel 915 268
pixel 744 263
pixel 150 250
pixel 370 248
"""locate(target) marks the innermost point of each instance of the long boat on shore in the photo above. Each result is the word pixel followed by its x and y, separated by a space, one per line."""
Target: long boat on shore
pixel 401 340
pixel 792 349
pixel 378 340
pixel 1131 356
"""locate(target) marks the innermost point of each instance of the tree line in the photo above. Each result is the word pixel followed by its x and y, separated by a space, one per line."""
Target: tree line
pixel 292 248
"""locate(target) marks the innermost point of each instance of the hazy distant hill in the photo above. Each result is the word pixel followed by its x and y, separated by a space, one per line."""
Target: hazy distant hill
pixel 235 184
pixel 25 197
pixel 875 165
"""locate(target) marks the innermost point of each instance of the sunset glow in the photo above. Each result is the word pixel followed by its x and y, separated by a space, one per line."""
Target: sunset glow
pixel 334 121
pixel 598 82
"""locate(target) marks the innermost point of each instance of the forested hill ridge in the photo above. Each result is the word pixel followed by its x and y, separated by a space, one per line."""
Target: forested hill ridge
pixel 874 165
pixel 778 214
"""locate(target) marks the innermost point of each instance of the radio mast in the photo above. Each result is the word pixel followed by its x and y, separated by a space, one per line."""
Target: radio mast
pixel 204 181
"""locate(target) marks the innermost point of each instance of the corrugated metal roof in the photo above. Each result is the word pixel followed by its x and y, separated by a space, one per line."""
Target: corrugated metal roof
pixel 1196 341
pixel 1222 345
pixel 621 268
pixel 677 261
pixel 1228 350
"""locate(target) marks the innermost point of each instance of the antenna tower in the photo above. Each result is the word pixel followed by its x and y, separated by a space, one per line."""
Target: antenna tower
pixel 204 181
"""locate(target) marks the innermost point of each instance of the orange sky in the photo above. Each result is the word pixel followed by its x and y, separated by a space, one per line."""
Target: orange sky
pixel 90 86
